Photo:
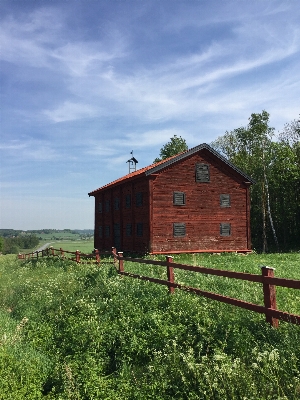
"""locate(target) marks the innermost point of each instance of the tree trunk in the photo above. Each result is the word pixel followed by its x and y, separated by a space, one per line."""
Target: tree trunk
pixel 264 232
pixel 269 209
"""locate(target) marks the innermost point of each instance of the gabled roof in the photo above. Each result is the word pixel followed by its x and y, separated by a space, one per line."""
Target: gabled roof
pixel 156 167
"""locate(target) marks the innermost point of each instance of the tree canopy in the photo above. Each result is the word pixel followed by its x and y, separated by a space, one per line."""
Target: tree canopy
pixel 275 198
pixel 175 146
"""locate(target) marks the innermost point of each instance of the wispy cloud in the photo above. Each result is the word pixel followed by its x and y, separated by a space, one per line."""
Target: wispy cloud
pixel 83 86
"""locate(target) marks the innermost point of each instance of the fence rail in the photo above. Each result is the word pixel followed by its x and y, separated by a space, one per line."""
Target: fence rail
pixel 82 258
pixel 266 278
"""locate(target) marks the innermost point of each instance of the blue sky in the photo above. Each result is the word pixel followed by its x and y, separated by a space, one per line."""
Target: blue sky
pixel 84 82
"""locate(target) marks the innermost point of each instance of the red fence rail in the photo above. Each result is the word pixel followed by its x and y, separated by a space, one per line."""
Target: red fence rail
pixel 266 278
pixel 79 257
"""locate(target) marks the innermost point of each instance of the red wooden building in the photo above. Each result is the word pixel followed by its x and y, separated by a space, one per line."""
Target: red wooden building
pixel 196 201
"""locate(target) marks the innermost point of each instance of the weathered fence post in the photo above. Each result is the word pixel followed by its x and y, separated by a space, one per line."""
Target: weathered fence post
pixel 121 261
pixel 170 272
pixel 114 252
pixel 37 255
pixel 52 250
pixel 62 253
pixel 77 256
pixel 269 294
pixel 97 255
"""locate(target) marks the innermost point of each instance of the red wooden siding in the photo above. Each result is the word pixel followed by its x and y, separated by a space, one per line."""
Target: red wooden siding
pixel 133 215
pixel 202 212
pixel 202 222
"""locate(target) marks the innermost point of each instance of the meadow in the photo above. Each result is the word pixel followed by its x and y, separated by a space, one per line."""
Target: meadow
pixel 71 331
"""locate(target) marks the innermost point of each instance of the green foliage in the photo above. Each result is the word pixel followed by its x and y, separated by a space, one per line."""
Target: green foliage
pixel 12 245
pixel 83 332
pixel 175 146
pixel 275 205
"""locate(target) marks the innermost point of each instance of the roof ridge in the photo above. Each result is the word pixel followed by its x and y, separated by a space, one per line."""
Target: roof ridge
pixel 155 167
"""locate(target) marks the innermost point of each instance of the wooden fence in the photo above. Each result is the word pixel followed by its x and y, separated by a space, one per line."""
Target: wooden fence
pixel 76 256
pixel 266 278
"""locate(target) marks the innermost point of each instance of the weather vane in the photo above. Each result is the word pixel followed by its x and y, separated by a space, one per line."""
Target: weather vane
pixel 132 163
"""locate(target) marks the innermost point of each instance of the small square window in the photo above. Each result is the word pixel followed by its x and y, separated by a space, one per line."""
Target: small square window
pixel 139 229
pixel 107 231
pixel 100 231
pixel 225 200
pixel 128 200
pixel 139 199
pixel 179 198
pixel 128 229
pixel 117 203
pixel 100 207
pixel 225 229
pixel 179 229
pixel 202 172
pixel 107 206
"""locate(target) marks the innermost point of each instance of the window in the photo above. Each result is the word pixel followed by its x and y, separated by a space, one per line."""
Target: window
pixel 225 229
pixel 139 199
pixel 107 231
pixel 225 200
pixel 179 198
pixel 117 203
pixel 128 200
pixel 179 229
pixel 100 207
pixel 202 172
pixel 128 229
pixel 107 206
pixel 100 231
pixel 139 229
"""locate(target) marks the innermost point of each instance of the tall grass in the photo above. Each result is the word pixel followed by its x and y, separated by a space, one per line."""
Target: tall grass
pixel 83 332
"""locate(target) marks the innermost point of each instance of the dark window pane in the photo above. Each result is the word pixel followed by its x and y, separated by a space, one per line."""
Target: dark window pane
pixel 107 206
pixel 139 229
pixel 101 231
pixel 117 203
pixel 225 200
pixel 202 173
pixel 128 200
pixel 179 229
pixel 179 198
pixel 225 229
pixel 100 207
pixel 128 229
pixel 139 199
pixel 107 231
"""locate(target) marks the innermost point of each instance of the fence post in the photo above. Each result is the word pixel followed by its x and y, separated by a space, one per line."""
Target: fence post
pixel 77 255
pixel 97 256
pixel 121 261
pixel 52 250
pixel 62 253
pixel 114 252
pixel 170 272
pixel 37 255
pixel 269 294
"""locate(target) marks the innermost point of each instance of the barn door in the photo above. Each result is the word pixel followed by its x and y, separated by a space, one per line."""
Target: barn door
pixel 117 236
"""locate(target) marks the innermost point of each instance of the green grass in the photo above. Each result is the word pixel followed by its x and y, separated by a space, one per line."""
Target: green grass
pixel 85 246
pixel 71 331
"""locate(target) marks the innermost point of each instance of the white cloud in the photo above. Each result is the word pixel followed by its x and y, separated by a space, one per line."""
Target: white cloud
pixel 69 111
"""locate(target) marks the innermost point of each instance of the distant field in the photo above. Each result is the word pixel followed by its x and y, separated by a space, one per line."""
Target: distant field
pixel 59 235
pixel 85 246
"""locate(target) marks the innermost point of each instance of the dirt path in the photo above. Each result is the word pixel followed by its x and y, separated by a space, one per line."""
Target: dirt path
pixel 43 247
